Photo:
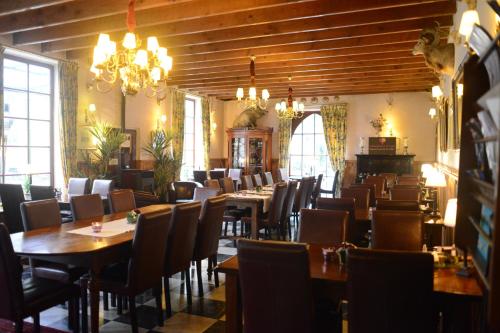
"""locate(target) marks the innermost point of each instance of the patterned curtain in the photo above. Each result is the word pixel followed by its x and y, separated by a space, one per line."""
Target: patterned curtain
pixel 285 136
pixel 68 94
pixel 178 111
pixel 205 119
pixel 334 125
pixel 2 49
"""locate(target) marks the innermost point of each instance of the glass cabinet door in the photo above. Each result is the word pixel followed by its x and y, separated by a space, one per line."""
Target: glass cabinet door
pixel 255 155
pixel 238 147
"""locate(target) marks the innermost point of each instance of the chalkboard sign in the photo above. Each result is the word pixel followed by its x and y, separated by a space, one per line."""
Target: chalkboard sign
pixel 382 145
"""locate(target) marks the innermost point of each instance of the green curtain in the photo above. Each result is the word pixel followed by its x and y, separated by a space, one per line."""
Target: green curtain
pixel 205 119
pixel 285 136
pixel 334 125
pixel 68 94
pixel 2 49
pixel 178 111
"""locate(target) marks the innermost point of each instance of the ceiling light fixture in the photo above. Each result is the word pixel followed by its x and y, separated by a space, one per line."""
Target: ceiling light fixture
pixel 252 101
pixel 289 109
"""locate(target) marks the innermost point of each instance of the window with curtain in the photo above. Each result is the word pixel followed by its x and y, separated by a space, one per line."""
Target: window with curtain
pixel 28 147
pixel 308 152
pixel 192 157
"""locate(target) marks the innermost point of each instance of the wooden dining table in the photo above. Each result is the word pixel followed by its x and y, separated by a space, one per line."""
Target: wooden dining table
pixel 56 244
pixel 446 283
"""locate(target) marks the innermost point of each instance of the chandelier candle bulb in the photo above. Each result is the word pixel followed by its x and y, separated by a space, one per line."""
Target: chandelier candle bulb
pixel 141 58
pixel 239 94
pixel 436 92
pixel 129 41
pixel 103 40
pixel 252 93
pixel 265 94
pixel 153 44
pixel 432 112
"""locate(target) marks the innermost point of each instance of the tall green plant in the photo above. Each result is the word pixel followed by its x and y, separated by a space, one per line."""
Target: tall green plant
pixel 166 164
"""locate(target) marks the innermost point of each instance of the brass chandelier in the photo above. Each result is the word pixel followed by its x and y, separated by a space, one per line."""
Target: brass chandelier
pixel 252 101
pixel 289 109
pixel 136 68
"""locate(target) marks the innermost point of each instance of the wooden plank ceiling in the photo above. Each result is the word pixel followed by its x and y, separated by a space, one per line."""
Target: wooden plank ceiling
pixel 327 47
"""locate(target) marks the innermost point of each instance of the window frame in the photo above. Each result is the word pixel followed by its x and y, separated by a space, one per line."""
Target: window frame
pixel 197 133
pixel 51 119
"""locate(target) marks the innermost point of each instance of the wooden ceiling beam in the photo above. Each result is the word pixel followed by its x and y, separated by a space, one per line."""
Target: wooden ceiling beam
pixel 9 7
pixel 276 28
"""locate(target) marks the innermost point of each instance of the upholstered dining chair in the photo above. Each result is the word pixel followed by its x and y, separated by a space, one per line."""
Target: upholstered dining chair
pixel 268 176
pixel 12 196
pixel 180 247
pixel 78 186
pixel 184 191
pixel 362 196
pixel 86 206
pixel 102 187
pixel 227 184
pixel 322 226
pixel 207 237
pixel 379 181
pixel 121 200
pixel 373 192
pixel 261 266
pixel 235 175
pixel 200 176
pixel 335 183
pixel 287 212
pixel 247 183
pixel 354 233
pixel 41 192
pixel 27 298
pixel 398 205
pixel 405 194
pixel 257 180
pixel 316 190
pixel 300 200
pixel 397 230
pixel 283 174
pixel 202 194
pixel 212 183
pixel 217 174
pixel 390 178
pixel 390 292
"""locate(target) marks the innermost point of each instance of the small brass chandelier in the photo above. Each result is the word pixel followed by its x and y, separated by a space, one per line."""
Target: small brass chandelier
pixel 289 109
pixel 137 68
pixel 252 101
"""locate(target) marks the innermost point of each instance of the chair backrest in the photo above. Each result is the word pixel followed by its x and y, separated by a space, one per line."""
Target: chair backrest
pixel 269 271
pixel 380 183
pixel 78 186
pixel 40 214
pixel 184 190
pixel 201 194
pixel 247 183
pixel 405 194
pixel 257 180
pixel 12 196
pixel 335 183
pixel 301 197
pixel 235 174
pixel 227 184
pixel 316 188
pixel 86 206
pixel 412 186
pixel 181 238
pixel 362 196
pixel 41 192
pixel 390 178
pixel 322 226
pixel 283 172
pixel 372 188
pixel 149 247
pixel 212 183
pixel 209 227
pixel 102 187
pixel 269 178
pixel 390 291
pixel 398 205
pixel 408 180
pixel 342 204
pixel 200 176
pixel 11 302
pixel 291 191
pixel 217 174
pixel 397 230
pixel 277 201
pixel 121 200
pixel 309 188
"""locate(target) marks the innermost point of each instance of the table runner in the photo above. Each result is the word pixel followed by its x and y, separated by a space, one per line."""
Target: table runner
pixel 266 198
pixel 109 229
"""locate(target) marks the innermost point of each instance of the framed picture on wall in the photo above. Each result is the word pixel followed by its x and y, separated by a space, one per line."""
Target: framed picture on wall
pixel 457 88
pixel 443 125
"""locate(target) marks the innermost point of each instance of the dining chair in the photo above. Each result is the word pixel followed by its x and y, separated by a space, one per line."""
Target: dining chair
pixel 41 192
pixel 268 176
pixel 184 191
pixel 283 174
pixel 86 206
pixel 390 292
pixel 410 182
pixel 247 183
pixel 144 269
pixel 28 297
pixel 121 200
pixel 200 176
pixel 276 271
pixel 362 196
pixel 227 184
pixel 102 187
pixel 405 194
pixel 407 186
pixel 300 200
pixel 203 193
pixel 354 232
pixel 287 212
pixel 309 188
pixel 235 175
pixel 316 190
pixel 212 183
pixel 257 180
pixel 322 226
pixel 207 238
pixel 373 192
pixel 397 230
pixel 12 196
pixel 379 181
pixel 398 205
pixel 78 186
pixel 217 174
pixel 390 178
pixel 333 191
pixel 180 247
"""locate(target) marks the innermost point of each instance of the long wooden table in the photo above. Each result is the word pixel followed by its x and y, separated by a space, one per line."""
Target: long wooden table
pixel 55 244
pixel 445 282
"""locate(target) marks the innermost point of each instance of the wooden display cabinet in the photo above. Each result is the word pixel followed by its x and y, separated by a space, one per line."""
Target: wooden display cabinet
pixel 250 149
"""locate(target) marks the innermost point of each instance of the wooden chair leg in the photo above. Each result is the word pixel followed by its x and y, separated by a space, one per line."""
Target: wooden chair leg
pixel 216 274
pixel 133 314
pixel 113 300
pixel 166 290
pixel 159 307
pixel 105 301
pixel 19 326
pixel 119 304
pixel 188 287
pixel 225 229
pixel 125 303
pixel 71 313
pixel 199 277
pixel 182 276
pixel 36 323
pixel 209 270
pixel 76 315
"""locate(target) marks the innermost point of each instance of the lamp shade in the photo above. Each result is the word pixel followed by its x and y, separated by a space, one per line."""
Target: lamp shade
pixel 436 92
pixel 450 216
pixel 432 112
pixel 435 179
pixel 426 169
pixel 92 108
pixel 469 18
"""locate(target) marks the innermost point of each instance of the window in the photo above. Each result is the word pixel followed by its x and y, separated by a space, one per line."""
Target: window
pixel 28 122
pixel 192 157
pixel 308 152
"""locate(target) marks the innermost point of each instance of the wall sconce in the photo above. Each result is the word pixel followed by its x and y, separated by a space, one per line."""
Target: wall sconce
pixel 460 90
pixel 89 112
pixel 432 112
pixel 469 18
pixel 161 121
pixel 437 93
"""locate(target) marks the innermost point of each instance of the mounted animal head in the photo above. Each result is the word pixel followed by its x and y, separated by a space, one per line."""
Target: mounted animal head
pixel 438 56
pixel 429 37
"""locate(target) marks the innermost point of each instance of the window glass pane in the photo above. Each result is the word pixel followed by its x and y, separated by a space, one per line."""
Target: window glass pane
pixel 308 144
pixel 20 179
pixel 39 79
pixel 15 74
pixel 16 160
pixel 188 142
pixel 15 103
pixel 15 132
pixel 41 179
pixel 39 106
pixel 188 126
pixel 188 158
pixel 308 124
pixel 296 145
pixel 318 124
pixel 189 106
pixel 39 133
pixel 295 165
pixel 320 145
pixel 298 130
pixel 40 160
